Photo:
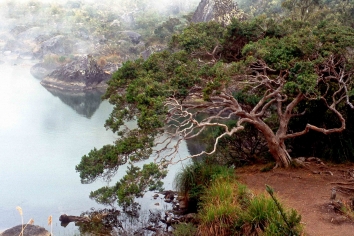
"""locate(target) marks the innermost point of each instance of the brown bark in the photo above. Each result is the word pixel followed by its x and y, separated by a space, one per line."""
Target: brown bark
pixel 275 144
pixel 280 154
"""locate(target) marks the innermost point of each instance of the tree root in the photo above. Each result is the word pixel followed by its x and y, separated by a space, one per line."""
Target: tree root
pixel 276 166
pixel 345 208
pixel 343 183
pixel 345 190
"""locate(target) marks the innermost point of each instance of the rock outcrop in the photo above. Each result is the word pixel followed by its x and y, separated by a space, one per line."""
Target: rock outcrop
pixel 32 230
pixel 59 45
pixel 222 12
pixel 204 12
pixel 134 37
pixel 81 74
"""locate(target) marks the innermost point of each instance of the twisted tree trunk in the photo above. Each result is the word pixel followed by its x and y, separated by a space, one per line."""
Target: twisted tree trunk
pixel 275 144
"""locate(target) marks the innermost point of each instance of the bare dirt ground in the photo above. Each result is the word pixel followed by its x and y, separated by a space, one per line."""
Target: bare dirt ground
pixel 308 190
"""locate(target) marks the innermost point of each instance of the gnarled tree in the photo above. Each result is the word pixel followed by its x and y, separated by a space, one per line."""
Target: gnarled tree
pixel 264 87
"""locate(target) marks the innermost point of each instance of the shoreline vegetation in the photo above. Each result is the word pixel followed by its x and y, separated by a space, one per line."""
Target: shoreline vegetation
pixel 227 207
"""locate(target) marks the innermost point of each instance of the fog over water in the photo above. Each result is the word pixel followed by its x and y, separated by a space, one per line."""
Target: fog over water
pixel 44 133
pixel 42 140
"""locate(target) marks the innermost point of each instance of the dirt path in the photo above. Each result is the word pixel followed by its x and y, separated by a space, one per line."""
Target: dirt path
pixel 307 190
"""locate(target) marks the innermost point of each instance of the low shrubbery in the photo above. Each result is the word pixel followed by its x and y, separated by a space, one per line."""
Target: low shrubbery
pixel 226 207
pixel 185 229
pixel 229 208
pixel 192 181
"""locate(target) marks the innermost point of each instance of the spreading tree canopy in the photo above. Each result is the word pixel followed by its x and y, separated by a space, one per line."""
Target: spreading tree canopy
pixel 259 72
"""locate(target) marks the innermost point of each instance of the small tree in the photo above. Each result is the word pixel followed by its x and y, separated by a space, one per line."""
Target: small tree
pixel 167 93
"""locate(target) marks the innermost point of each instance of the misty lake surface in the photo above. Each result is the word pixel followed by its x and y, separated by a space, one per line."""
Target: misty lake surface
pixel 43 135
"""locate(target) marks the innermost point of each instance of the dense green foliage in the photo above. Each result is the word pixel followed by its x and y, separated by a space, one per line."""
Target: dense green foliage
pixel 299 58
pixel 185 229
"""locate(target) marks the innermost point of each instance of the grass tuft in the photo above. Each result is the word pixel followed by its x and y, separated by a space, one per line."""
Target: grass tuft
pixel 31 222
pixel 219 208
pixel 185 229
pixel 229 208
pixel 193 179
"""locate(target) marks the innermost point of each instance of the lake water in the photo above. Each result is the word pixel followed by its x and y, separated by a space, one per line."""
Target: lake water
pixel 43 135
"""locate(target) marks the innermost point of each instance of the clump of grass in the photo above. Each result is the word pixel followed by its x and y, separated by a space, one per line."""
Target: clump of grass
pixel 30 222
pixel 53 59
pixel 101 62
pixel 291 220
pixel 229 208
pixel 219 208
pixel 345 207
pixel 113 58
pixel 50 219
pixel 185 229
pixel 194 178
pixel 199 173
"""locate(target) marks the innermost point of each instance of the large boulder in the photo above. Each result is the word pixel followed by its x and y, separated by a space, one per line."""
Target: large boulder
pixel 32 230
pixel 31 34
pixel 23 40
pixel 204 12
pixel 207 11
pixel 59 45
pixel 81 74
pixel 134 37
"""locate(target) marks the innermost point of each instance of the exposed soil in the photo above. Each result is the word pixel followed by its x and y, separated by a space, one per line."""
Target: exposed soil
pixel 308 190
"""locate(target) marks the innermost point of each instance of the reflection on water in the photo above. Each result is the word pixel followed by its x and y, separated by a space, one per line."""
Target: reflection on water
pixel 42 140
pixel 195 146
pixel 85 103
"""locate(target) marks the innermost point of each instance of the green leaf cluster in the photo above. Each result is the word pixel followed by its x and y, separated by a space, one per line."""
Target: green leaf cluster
pixel 199 37
pixel 132 185
pixel 140 88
